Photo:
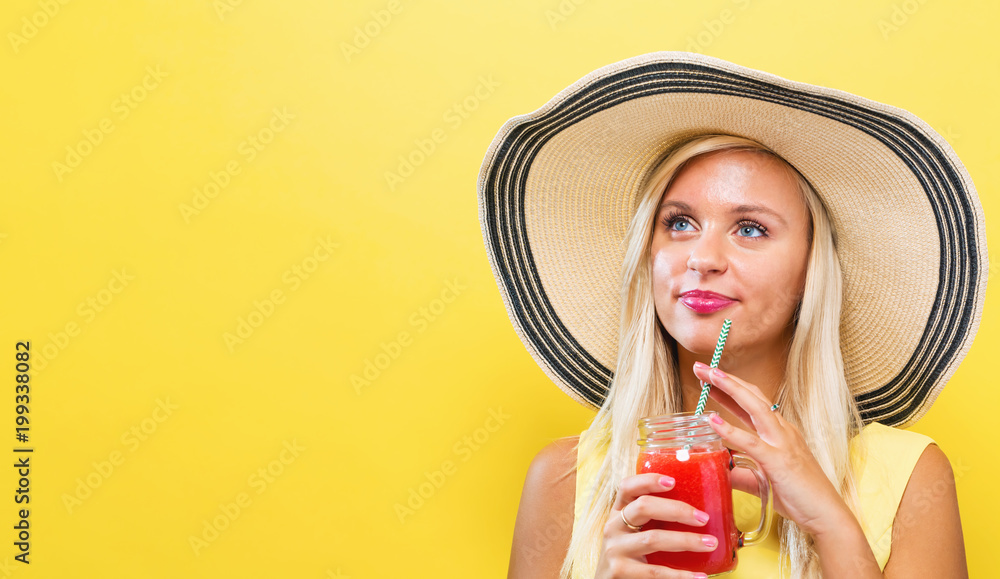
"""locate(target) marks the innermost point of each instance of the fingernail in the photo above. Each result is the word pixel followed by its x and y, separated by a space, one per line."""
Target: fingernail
pixel 716 419
pixel 700 576
pixel 709 541
pixel 718 373
pixel 701 516
pixel 700 365
pixel 666 482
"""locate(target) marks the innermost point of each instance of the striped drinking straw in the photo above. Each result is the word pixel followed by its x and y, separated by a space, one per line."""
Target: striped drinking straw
pixel 683 453
pixel 705 386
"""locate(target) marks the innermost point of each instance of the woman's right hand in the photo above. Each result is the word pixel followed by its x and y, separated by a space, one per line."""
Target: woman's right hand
pixel 623 550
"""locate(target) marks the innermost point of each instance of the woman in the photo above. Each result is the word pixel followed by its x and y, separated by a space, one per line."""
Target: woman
pixel 801 392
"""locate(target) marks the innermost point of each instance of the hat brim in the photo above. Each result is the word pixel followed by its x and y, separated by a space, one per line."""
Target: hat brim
pixel 911 233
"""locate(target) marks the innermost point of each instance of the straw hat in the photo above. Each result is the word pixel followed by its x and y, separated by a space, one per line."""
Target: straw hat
pixel 909 224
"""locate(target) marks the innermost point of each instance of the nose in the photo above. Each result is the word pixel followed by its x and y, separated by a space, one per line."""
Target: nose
pixel 707 255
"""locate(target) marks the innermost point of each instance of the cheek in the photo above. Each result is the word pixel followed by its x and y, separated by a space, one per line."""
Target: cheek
pixel 663 266
pixel 664 271
pixel 774 289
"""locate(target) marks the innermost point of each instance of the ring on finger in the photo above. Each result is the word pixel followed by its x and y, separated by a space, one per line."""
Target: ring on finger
pixel 628 524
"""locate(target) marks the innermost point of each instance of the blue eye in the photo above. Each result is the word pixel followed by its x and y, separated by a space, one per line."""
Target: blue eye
pixel 669 221
pixel 680 224
pixel 748 227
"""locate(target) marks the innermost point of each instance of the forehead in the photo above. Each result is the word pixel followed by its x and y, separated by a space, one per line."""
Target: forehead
pixel 737 177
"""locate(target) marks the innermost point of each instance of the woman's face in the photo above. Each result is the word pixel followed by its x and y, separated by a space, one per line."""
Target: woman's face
pixel 733 223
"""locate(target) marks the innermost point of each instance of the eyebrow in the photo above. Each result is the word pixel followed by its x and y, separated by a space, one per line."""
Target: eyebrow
pixel 744 208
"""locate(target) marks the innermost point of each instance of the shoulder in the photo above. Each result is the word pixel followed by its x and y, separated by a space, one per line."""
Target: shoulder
pixel 544 524
pixel 927 538
pixel 884 458
pixel 557 456
pixel 933 464
pixel 932 480
pixel 552 473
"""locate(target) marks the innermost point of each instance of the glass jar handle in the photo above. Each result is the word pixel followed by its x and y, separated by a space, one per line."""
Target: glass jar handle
pixel 764 488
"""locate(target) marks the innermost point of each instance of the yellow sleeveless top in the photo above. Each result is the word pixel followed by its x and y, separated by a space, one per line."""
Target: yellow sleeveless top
pixel 885 457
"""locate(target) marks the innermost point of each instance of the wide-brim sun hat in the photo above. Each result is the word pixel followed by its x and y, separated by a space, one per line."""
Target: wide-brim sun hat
pixel 557 190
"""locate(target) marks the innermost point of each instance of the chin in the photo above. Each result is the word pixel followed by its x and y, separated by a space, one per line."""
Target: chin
pixel 699 336
pixel 704 346
pixel 695 342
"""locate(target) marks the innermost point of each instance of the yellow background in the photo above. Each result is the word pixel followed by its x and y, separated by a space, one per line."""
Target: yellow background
pixel 329 510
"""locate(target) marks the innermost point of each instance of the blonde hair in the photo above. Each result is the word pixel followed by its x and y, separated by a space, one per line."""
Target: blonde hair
pixel 813 394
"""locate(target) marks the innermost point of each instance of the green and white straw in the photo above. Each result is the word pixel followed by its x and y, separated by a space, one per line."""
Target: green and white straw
pixel 705 386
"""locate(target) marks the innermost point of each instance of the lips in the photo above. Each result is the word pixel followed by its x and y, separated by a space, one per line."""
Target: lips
pixel 705 302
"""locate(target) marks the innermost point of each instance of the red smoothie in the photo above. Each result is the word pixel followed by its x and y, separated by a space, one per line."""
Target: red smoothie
pixel 703 482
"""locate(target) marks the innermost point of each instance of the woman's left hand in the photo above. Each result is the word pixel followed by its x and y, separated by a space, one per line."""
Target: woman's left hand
pixel 800 489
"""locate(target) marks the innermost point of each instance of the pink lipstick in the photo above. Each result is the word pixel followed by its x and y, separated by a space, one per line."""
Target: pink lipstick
pixel 705 302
